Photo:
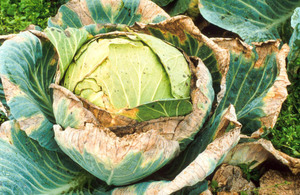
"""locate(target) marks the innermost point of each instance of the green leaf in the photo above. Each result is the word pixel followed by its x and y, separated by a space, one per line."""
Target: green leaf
pixel 28 168
pixel 162 2
pixel 79 14
pixel 295 39
pixel 66 43
pixel 179 7
pixel 254 21
pixel 162 108
pixel 28 66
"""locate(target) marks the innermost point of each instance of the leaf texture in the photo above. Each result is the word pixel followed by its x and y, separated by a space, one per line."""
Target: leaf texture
pixel 28 168
pixel 28 65
pixel 254 21
pixel 77 14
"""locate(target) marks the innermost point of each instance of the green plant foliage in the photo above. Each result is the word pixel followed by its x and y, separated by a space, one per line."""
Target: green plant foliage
pixel 16 15
pixel 250 174
pixel 214 186
pixel 3 118
pixel 285 136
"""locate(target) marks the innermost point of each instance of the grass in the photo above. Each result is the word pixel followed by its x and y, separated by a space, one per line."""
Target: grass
pixel 285 136
pixel 16 15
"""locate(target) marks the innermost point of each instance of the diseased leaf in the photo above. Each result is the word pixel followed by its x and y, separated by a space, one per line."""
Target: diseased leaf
pixel 256 152
pixel 116 160
pixel 254 21
pixel 205 163
pixel 28 168
pixel 77 14
pixel 191 179
pixel 28 66
pixel 224 122
pixel 255 83
pixel 66 43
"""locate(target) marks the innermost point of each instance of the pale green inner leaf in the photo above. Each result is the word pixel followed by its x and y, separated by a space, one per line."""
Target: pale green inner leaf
pixel 174 63
pixel 118 73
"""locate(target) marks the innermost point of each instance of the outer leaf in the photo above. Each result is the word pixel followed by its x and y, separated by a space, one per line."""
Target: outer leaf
pixel 77 14
pixel 253 20
pixel 116 160
pixel 257 152
pixel 205 163
pixel 28 66
pixel 255 83
pixel 192 175
pixel 295 39
pixel 182 32
pixel 27 168
pixel 66 43
pixel 225 121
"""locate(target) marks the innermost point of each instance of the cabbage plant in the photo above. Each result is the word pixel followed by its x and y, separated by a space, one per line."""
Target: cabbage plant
pixel 117 97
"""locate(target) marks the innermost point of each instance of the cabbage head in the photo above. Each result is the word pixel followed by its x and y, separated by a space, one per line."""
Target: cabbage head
pixel 117 97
